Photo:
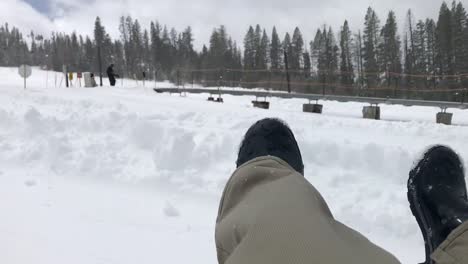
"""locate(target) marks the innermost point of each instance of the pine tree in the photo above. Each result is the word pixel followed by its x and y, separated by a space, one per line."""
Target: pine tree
pixel 263 51
pixel 76 54
pixel 34 48
pixel 107 50
pixel 129 47
pixel 420 53
pixel 331 52
pixel 249 49
pixel 118 57
pixel 155 36
pixel 323 63
pixel 359 59
pixel 99 32
pixel 346 65
pixel 186 52
pixel 444 41
pixel 296 57
pixel 275 51
pixel 371 41
pixel 409 48
pixel 204 58
pixel 459 24
pixel 315 48
pixel 390 53
pixel 89 55
pixel 307 64
pixel 99 35
pixel 287 48
pixel 257 40
pixel 138 49
pixel 218 47
pixel 124 37
pixel 237 57
pixel 146 58
pixel 166 58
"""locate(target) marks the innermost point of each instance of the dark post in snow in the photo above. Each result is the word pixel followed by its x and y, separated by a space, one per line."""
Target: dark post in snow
pixel 65 68
pixel 100 64
pixel 65 72
pixel 288 79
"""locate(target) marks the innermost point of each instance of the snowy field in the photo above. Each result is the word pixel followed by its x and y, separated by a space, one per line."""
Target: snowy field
pixel 124 175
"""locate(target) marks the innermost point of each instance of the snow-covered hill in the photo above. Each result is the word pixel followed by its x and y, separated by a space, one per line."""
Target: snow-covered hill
pixel 125 175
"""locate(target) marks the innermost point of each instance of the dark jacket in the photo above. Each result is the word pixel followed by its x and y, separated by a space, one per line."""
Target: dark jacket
pixel 111 75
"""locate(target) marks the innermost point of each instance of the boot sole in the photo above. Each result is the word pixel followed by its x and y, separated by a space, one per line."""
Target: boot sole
pixel 418 209
pixel 421 211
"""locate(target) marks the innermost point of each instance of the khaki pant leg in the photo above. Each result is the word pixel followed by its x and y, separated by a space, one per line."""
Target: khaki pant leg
pixel 454 250
pixel 270 214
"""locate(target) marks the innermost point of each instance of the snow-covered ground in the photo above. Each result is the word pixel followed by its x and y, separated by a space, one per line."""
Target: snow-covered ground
pixel 125 175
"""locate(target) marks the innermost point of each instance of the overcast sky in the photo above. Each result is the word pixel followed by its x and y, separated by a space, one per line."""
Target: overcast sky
pixel 45 16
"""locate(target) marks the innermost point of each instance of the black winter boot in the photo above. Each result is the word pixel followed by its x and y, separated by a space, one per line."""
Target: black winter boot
pixel 437 195
pixel 271 137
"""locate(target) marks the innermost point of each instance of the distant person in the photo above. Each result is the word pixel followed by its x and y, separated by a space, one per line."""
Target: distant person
pixel 270 213
pixel 111 75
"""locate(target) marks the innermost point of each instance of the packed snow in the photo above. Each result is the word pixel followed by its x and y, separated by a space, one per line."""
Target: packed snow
pixel 125 175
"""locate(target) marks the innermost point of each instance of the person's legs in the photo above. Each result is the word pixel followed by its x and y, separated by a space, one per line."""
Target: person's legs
pixel 438 198
pixel 270 214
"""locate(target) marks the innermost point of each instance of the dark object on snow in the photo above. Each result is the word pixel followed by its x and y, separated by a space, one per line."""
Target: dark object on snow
pixel 111 75
pixel 217 100
pixel 437 195
pixel 271 137
pixel 312 108
pixel 261 104
pixel 93 81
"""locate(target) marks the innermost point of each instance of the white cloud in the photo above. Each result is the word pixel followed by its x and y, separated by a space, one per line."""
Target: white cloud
pixel 23 16
pixel 204 15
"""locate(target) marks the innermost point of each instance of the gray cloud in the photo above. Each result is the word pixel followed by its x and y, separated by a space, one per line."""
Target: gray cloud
pixel 236 15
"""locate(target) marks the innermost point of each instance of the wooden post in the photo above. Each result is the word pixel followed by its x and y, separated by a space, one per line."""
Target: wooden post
pixel 65 72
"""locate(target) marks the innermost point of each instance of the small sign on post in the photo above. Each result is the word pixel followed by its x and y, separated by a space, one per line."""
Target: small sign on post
pixel 70 78
pixel 25 71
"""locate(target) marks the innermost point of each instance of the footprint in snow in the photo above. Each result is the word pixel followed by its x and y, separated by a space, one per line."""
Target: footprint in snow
pixel 170 211
pixel 30 183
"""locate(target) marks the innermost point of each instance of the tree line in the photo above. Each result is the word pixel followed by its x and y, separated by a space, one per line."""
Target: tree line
pixel 428 59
